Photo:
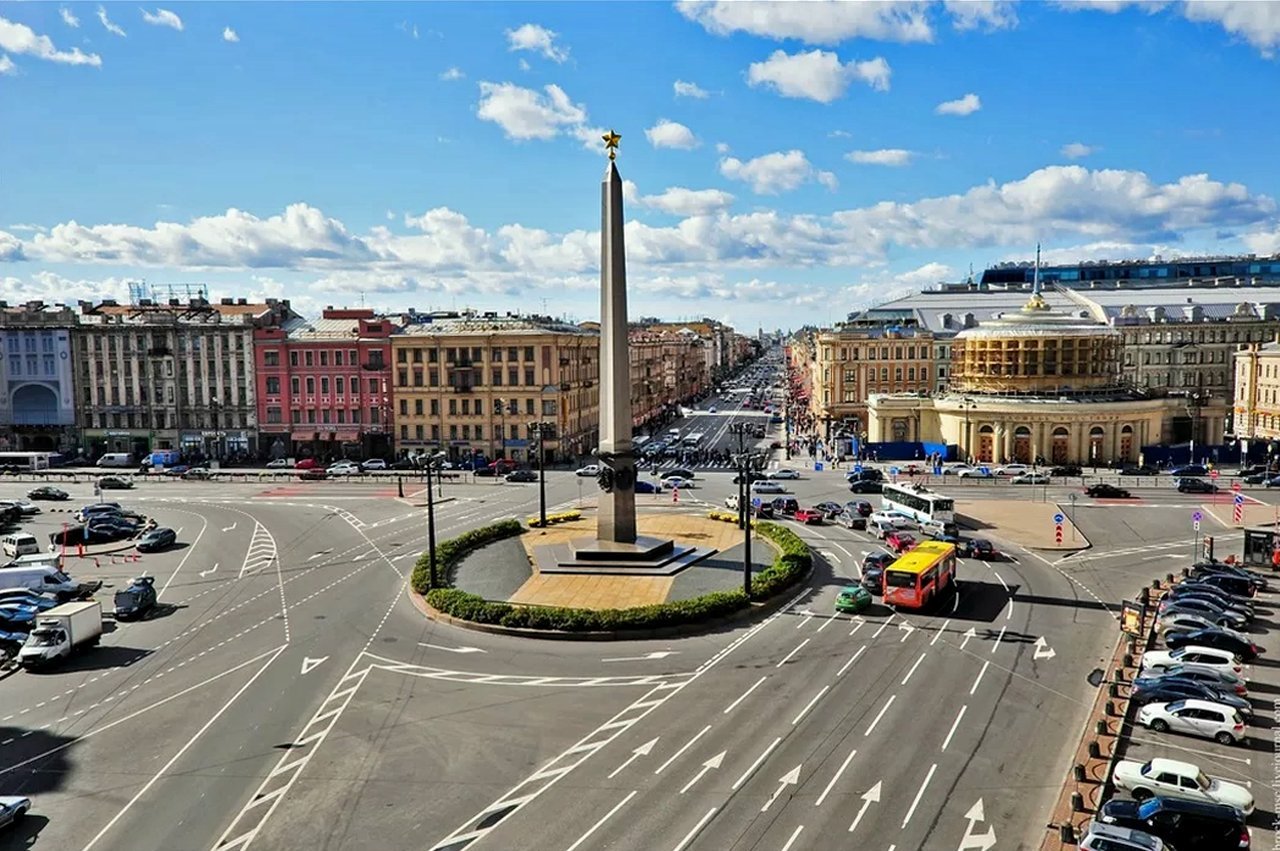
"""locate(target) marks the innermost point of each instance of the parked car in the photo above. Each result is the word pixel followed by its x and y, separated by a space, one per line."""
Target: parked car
pixel 12 809
pixel 767 487
pixel 1102 490
pixel 1214 568
pixel 785 505
pixel 1195 717
pixel 830 510
pixel 1220 639
pixel 1012 470
pixel 528 476
pixel 865 486
pixel 278 464
pixel 1189 470
pixel 312 474
pixel 1099 836
pixel 136 599
pixel 975 473
pixel 25 508
pixel 1270 480
pixel 306 464
pixel 1239 587
pixel 853 599
pixel 1204 658
pixel 852 521
pixel 343 468
pixel 783 473
pixel 1030 479
pixel 113 483
pixel 858 506
pixel 589 470
pixel 198 474
pixel 1138 470
pixel 873 568
pixel 1222 680
pixel 1194 825
pixel 1170 687
pixel 1211 593
pixel 1186 621
pixel 1196 486
pixel 373 464
pixel 1203 608
pixel 1067 470
pixel 808 516
pixel 157 539
pixel 50 493
pixel 763 511
pixel 1173 778
pixel 899 542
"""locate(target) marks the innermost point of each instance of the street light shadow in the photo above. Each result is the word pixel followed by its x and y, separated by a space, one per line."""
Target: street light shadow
pixel 44 774
pixel 1070 602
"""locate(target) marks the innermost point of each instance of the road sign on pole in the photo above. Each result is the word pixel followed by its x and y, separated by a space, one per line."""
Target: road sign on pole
pixel 1058 518
pixel 1196 516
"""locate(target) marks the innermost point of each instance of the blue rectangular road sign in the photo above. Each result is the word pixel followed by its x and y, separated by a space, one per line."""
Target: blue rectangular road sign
pixel 817 466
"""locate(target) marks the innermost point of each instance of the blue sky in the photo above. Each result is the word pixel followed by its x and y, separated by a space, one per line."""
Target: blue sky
pixel 786 162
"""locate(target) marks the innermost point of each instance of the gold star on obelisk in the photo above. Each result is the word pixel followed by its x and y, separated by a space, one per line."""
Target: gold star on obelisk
pixel 611 141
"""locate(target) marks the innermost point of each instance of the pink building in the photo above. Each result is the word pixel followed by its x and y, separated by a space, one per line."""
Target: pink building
pixel 324 386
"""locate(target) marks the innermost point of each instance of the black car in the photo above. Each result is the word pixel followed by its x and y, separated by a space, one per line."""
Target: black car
pixel 69 536
pixel 981 548
pixel 113 483
pixel 831 510
pixel 866 474
pixel 1067 470
pixel 522 476
pixel 1206 568
pixel 873 568
pixel 1186 485
pixel 136 599
pixel 1208 609
pixel 763 511
pixel 1212 637
pixel 1138 470
pixel 1190 470
pixel 1105 491
pixel 157 539
pixel 785 505
pixel 1169 689
pixel 1237 586
pixel 1261 479
pixel 865 486
pixel 46 492
pixel 752 476
pixel 1193 825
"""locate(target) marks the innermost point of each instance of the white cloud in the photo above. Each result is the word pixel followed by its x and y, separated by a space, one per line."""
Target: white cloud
pixel 966 105
pixel 162 18
pixel 839 134
pixel 538 40
pixel 817 75
pixel 68 17
pixel 1076 150
pixel 1256 22
pixel 526 114
pixel 391 217
pixel 678 201
pixel 884 156
pixel 451 74
pixel 20 39
pixel 107 24
pixel 7 65
pixel 986 14
pixel 671 134
pixel 722 148
pixel 524 65
pixel 408 29
pixel 1258 242
pixel 777 172
pixel 816 22
pixel 690 90
pixel 230 35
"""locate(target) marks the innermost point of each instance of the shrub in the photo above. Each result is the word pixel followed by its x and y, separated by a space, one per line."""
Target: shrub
pixel 793 561
pixel 452 551
pixel 552 519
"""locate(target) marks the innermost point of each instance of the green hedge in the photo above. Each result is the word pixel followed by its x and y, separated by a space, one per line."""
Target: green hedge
pixel 793 561
pixel 452 551
pixel 535 522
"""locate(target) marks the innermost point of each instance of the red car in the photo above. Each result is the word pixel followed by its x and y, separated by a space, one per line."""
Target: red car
pixel 809 516
pixel 502 466
pixel 899 542
pixel 306 464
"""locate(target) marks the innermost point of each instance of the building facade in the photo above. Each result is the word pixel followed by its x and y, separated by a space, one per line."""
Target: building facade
pixel 668 369
pixel 470 384
pixel 37 393
pixel 849 364
pixel 1256 406
pixel 324 386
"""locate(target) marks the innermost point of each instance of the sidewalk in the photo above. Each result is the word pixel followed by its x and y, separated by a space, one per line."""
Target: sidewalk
pixel 1028 524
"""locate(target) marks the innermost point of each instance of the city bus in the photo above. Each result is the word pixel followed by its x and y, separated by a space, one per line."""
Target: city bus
pixel 922 505
pixel 25 461
pixel 921 576
pixel 692 441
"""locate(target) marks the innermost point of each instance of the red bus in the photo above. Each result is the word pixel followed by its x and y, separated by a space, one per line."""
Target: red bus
pixel 921 576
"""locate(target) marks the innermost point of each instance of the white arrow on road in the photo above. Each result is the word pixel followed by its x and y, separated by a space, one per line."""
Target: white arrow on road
pixel 906 629
pixel 968 634
pixel 643 750
pixel 309 664
pixel 981 842
pixel 1043 650
pixel 657 654
pixel 317 555
pixel 871 796
pixel 451 649
pixel 210 570
pixel 714 762
pixel 791 778
pixel 229 528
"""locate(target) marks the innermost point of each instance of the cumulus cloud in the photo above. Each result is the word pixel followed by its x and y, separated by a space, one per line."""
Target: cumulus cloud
pixel 816 22
pixel 1256 23
pixel 162 18
pixel 230 35
pixel 816 75
pixel 678 201
pixel 107 23
pixel 536 39
pixel 1259 242
pixel 781 171
pixel 690 90
pixel 450 74
pixel 884 156
pixel 527 114
pixel 7 66
pixel 966 105
pixel 981 14
pixel 671 134
pixel 20 39
pixel 68 17
pixel 1076 150
pixel 722 148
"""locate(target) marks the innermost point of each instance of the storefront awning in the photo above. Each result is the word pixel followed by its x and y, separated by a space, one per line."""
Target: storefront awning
pixel 347 436
pixel 304 436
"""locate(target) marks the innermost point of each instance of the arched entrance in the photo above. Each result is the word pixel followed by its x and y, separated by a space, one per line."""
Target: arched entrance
pixel 1095 445
pixel 35 404
pixel 986 444
pixel 1126 443
pixel 1022 445
pixel 1061 445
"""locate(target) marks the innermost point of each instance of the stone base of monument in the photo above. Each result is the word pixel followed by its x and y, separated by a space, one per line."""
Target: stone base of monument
pixel 648 556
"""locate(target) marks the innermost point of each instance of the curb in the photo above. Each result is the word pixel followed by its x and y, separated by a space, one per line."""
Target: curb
pixel 751 612
pixel 440 500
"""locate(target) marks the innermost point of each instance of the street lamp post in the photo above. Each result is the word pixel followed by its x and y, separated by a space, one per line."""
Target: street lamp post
pixel 744 492
pixel 542 428
pixel 432 462
pixel 967 405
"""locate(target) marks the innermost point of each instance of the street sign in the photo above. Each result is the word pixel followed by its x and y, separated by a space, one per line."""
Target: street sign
pixel 1239 499
pixel 1058 518
pixel 1195 527
pixel 1213 474
pixel 1197 516
pixel 817 466
pixel 1235 486
pixel 893 471
pixel 755 502
pixel 857 468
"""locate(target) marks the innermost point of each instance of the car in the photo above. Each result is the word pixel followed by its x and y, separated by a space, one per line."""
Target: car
pixel 873 568
pixel 785 505
pixel 27 597
pixel 100 529
pixel 809 516
pixel 711 410
pixel 12 809
pixel 589 470
pixel 899 542
pixel 343 468
pixel 1212 593
pixel 312 474
pixel 1138 470
pixel 277 464
pixel 137 599
pixel 1169 688
pixel 983 549
pixel 1217 679
pixel 500 467
pixel 645 486
pixel 1238 587
pixel 975 473
pixel 956 468
pixel 1186 485
pixel 675 482
pixel 1202 568
pixel 306 464
pixel 50 493
pixel 783 473
pixel 852 521
pixel 198 474
pixel 374 464
pixel 765 486
pixel 830 509
pixel 1102 490
pixel 1173 778
pixel 853 599
pixel 1067 470
pixel 1270 480
pixel 1189 470
pixel 1221 639
pixel 1012 470
pixel 860 507
pixel 1099 836
pixel 1187 621
pixel 865 486
pixel 160 538
pixel 891 521
pixel 681 472
pixel 25 508
pixel 1251 470
pixel 174 470
pixel 1195 825
pixel 114 483
pixel 1195 717
pixel 870 474
pixel 732 502
pixel 1030 479
pixel 1191 656
pixel 526 476
pixel 1205 608
pixel 752 476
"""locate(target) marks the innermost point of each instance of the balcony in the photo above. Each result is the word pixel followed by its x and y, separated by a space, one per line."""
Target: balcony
pixel 564 361
pixel 374 366
pixel 461 388
pixel 564 385
pixel 159 352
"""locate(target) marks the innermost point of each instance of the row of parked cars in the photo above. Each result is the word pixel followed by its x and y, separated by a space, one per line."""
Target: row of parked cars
pixel 1195 686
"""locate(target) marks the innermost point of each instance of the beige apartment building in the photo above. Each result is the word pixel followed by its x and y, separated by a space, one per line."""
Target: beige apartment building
pixel 847 365
pixel 668 368
pixel 1256 406
pixel 471 383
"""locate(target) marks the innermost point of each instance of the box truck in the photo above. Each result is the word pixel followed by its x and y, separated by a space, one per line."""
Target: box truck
pixel 62 631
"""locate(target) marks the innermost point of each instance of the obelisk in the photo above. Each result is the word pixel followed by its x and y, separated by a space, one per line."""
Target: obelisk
pixel 616 517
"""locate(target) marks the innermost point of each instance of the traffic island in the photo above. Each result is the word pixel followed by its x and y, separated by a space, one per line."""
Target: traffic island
pixel 1033 525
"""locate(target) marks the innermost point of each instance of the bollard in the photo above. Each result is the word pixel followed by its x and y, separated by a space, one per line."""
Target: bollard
pixel 1113 690
pixel 1067 834
pixel 1128 660
pixel 1155 584
pixel 1095 752
pixel 1168 577
pixel 1186 571
pixel 1119 676
pixel 400 486
pixel 1111 710
pixel 1077 771
pixel 1102 727
pixel 1077 802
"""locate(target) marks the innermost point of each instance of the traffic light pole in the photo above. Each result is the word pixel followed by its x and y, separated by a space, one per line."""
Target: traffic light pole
pixel 431 527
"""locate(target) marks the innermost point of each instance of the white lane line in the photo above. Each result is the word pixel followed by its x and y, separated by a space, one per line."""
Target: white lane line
pixel 1001 578
pixel 190 550
pixel 702 822
pixel 941 630
pixel 743 696
pixel 808 616
pixel 876 634
pixel 809 705
pixel 687 745
pixel 861 623
pixel 792 840
pixel 913 667
pixel 787 658
pixel 1008 611
pixel 954 725
pixel 835 777
pixel 828 623
pixel 603 819
pixel 978 678
pixel 880 715
pixel 852 659
pixel 998 637
pixel 919 795
pixel 752 768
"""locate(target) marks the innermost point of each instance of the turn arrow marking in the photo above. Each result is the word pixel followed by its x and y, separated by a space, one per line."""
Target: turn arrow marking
pixel 714 762
pixel 791 778
pixel 643 750
pixel 451 649
pixel 309 664
pixel 210 570
pixel 906 629
pixel 229 528
pixel 871 796
pixel 1043 650
pixel 983 841
pixel 968 634
pixel 657 654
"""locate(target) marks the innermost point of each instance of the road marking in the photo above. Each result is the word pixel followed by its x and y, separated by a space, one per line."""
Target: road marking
pixel 871 796
pixel 657 654
pixel 743 696
pixel 1003 584
pixel 808 616
pixel 995 646
pixel 968 634
pixel 309 664
pixel 787 658
pixel 852 659
pixel 451 649
pixel 204 524
pixel 829 622
pixel 687 745
pixel 714 762
pixel 809 705
pixel 1008 610
pixel 954 724
pixel 643 750
pixel 883 710
pixel 906 629
pixel 835 777
pixel 228 528
pixel 1043 650
pixel 861 623
pixel 319 554
pixel 752 768
pixel 941 630
pixel 978 678
pixel 983 842
pixel 792 840
pixel 213 569
pixel 913 667
pixel 688 837
pixel 1165 743
pixel 876 634
pixel 791 778
pixel 602 820
pixel 919 795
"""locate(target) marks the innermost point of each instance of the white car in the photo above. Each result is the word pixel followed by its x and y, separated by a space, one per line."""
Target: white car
pixel 766 486
pixel 1107 837
pixel 279 464
pixel 1171 778
pixel 26 507
pixel 1030 479
pixel 711 410
pixel 677 482
pixel 343 468
pixel 1012 470
pixel 783 473
pixel 589 470
pixel 731 502
pixel 13 808
pixel 374 464
pixel 973 473
pixel 1193 657
pixel 1203 718
pixel 891 519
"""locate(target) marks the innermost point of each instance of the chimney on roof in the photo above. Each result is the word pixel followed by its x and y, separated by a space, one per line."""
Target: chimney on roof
pixel 228 301
pixel 242 301
pixel 173 302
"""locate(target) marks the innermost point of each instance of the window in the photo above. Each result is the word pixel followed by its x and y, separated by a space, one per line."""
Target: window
pixel 417 406
pixel 338 358
pixel 435 432
pixel 271 358
pixel 513 376
pixel 528 353
pixel 293 358
pixel 324 358
pixel 402 355
pixel 479 432
pixel 528 376
pixel 404 407
pixel 297 415
pixel 324 384
pixel 497 378
pixel 453 432
pixel 435 407
pixel 433 355
pixel 311 416
pixel 417 355
pixel 528 407
pixel 311 386
pixel 453 407
pixel 402 378
pixel 404 432
pixel 273 415
pixel 308 358
pixel 374 416
pixel 373 386
pixel 497 354
pixel 477 354
pixel 466 432
pixel 513 354
pixel 342 416
pixel 466 407
pixel 433 377
pixel 417 378
pixel 897 373
pixel 340 385
pixel 417 430
pixel 273 385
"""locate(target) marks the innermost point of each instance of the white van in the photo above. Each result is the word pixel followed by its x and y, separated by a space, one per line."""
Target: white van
pixel 19 544
pixel 116 459
pixel 43 579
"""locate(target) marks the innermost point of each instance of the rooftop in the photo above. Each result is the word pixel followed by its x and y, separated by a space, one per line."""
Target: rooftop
pixel 487 324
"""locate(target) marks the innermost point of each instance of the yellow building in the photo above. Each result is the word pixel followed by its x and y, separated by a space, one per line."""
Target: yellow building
pixel 850 364
pixel 1257 402
pixel 472 383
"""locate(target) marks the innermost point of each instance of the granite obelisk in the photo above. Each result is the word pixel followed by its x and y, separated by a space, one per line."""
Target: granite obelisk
pixel 616 517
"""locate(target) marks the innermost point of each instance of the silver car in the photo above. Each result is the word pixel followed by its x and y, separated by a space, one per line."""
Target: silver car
pixel 1202 718
pixel 1108 837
